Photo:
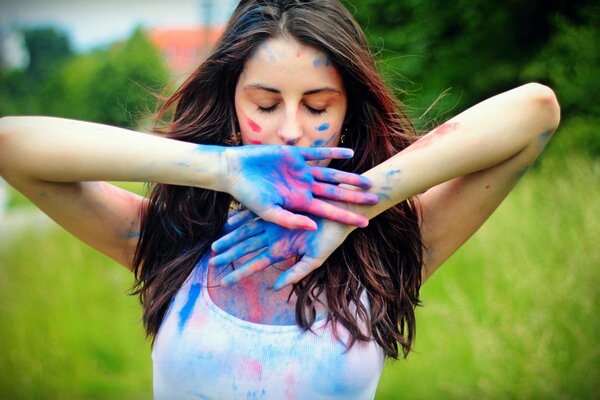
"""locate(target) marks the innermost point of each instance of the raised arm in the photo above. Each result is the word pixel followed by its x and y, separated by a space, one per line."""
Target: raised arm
pixel 461 171
pixel 57 163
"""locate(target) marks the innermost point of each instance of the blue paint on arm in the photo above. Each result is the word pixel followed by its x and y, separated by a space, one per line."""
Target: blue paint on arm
pixel 207 148
pixel 543 139
pixel 186 311
pixel 182 164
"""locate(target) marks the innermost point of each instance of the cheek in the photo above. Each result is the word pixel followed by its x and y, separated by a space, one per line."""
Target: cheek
pixel 251 130
pixel 325 134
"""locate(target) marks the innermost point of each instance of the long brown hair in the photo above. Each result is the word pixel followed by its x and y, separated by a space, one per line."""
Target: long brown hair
pixel 180 223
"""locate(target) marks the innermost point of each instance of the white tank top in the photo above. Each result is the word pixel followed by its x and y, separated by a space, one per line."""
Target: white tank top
pixel 203 352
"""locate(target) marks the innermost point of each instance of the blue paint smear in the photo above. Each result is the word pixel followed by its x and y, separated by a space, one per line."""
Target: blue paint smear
pixel 182 164
pixel 186 311
pixel 322 142
pixel 323 127
pixel 394 172
pixel 543 139
pixel 321 60
pixel 207 148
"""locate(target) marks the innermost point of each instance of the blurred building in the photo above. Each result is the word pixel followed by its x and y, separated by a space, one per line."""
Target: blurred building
pixel 184 48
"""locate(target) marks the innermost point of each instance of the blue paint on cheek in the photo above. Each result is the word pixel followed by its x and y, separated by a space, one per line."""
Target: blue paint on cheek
pixel 323 127
pixel 186 311
pixel 318 143
pixel 393 172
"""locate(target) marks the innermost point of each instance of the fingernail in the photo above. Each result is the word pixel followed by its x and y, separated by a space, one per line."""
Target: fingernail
pixel 373 198
pixel 309 226
pixel 278 285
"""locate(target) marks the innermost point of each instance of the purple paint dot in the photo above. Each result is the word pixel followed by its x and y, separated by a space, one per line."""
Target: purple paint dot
pixel 323 127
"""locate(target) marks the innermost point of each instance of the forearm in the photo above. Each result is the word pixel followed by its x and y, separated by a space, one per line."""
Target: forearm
pixel 61 150
pixel 481 137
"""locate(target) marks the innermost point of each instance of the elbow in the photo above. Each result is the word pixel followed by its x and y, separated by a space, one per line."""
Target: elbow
pixel 545 105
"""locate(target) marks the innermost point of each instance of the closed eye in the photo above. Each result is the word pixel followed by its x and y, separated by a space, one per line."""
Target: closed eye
pixel 267 109
pixel 315 111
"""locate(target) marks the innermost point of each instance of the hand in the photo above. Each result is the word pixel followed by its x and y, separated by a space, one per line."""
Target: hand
pixel 248 234
pixel 274 180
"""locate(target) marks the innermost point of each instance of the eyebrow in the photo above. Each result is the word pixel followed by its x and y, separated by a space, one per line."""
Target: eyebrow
pixel 325 89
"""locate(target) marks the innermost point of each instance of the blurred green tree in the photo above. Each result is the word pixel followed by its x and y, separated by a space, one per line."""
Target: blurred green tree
pixel 475 48
pixel 48 49
pixel 113 86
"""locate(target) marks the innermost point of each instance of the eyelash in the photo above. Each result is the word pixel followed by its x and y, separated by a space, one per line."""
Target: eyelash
pixel 268 110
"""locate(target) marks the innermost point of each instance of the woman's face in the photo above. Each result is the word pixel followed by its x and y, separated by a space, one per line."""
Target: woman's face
pixel 289 93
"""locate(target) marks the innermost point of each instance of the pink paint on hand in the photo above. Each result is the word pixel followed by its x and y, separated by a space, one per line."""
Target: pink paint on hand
pixel 254 126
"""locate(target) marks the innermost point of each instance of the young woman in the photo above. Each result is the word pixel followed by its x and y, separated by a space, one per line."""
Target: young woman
pixel 289 81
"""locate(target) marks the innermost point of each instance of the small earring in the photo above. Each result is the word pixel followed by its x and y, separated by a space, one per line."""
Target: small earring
pixel 344 132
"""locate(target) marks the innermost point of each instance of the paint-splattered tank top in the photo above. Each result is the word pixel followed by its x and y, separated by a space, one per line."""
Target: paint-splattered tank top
pixel 203 352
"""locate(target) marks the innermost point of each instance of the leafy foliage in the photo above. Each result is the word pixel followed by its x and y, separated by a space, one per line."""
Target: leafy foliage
pixel 113 86
pixel 476 49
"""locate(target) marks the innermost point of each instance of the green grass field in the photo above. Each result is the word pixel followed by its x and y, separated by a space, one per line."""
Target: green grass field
pixel 512 315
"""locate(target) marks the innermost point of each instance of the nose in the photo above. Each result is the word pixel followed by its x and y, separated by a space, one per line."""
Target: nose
pixel 291 130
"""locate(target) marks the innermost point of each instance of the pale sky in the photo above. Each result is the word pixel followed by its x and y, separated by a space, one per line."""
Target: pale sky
pixel 91 23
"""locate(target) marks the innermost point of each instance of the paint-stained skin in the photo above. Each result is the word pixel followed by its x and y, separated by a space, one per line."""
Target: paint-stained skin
pixel 442 130
pixel 307 112
pixel 254 126
pixel 279 244
pixel 322 61
pixel 272 178
pixel 543 139
pixel 324 142
pixel 323 127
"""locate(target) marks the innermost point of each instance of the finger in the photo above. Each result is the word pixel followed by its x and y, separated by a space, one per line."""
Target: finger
pixel 332 192
pixel 240 250
pixel 288 219
pixel 329 211
pixel 239 235
pixel 331 175
pixel 298 271
pixel 239 219
pixel 250 267
pixel 325 153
